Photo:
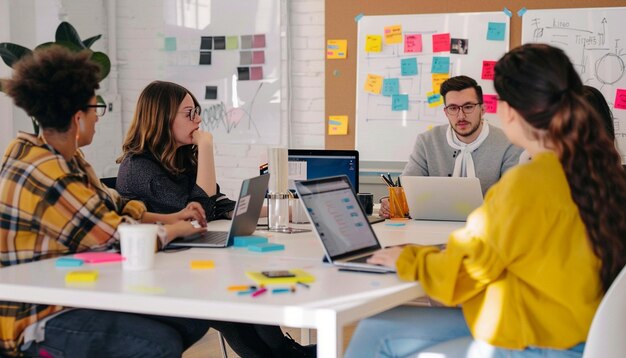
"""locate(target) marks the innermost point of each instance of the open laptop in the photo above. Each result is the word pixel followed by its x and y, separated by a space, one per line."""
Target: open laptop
pixel 340 223
pixel 442 198
pixel 245 218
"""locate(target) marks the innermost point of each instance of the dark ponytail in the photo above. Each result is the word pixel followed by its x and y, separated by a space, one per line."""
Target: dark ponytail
pixel 540 83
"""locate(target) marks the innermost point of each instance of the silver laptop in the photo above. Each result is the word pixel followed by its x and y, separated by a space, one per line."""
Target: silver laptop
pixel 245 218
pixel 340 223
pixel 442 198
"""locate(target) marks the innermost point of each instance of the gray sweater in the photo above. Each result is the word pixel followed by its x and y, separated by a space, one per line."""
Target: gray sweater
pixel 432 156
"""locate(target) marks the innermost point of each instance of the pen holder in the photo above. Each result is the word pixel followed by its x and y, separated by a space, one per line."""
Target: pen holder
pixel 398 207
pixel 278 211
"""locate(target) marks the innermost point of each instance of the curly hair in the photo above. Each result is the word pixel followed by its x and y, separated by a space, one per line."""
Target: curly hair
pixel 52 84
pixel 151 128
pixel 540 83
pixel 459 83
pixel 597 101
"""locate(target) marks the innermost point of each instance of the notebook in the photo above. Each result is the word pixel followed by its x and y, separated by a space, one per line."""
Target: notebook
pixel 442 198
pixel 340 223
pixel 245 218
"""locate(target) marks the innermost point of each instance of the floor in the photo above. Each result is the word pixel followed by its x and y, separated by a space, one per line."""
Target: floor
pixel 209 345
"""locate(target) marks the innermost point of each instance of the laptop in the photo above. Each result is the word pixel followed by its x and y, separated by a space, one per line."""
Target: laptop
pixel 340 223
pixel 442 198
pixel 245 218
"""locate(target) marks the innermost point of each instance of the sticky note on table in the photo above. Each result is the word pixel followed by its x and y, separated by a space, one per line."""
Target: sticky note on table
pixel 413 43
pixel 243 241
pixel 391 86
pixel 393 34
pixel 81 276
pixel 99 257
pixel 68 262
pixel 437 80
pixel 336 49
pixel 400 102
pixel 441 42
pixel 488 70
pixel 201 264
pixel 337 125
pixel 408 66
pixel 266 247
pixel 495 31
pixel 620 98
pixel 373 84
pixel 373 43
pixel 170 44
pixel 440 65
pixel 490 103
pixel 434 99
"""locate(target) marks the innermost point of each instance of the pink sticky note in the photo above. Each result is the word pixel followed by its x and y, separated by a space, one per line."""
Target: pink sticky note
pixel 490 102
pixel 256 73
pixel 620 98
pixel 441 43
pixel 413 43
pixel 258 57
pixel 258 41
pixel 488 70
pixel 99 257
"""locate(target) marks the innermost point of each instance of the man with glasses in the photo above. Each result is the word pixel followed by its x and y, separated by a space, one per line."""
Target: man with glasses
pixel 466 147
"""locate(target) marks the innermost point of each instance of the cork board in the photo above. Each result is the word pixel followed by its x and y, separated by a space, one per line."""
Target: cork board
pixel 340 76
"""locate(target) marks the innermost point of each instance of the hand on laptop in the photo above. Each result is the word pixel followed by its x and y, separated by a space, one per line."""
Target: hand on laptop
pixel 386 257
pixel 384 208
pixel 193 211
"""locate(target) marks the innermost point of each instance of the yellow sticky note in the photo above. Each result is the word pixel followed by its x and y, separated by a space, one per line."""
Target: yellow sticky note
pixel 81 276
pixel 434 99
pixel 336 49
pixel 202 264
pixel 337 125
pixel 373 43
pixel 393 34
pixel 438 79
pixel 373 84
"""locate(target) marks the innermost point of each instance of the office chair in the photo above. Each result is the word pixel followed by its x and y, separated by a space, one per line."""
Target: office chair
pixel 109 182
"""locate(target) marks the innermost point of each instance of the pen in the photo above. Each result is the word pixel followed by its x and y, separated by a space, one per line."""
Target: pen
pixel 259 292
pixel 246 292
pixel 303 284
pixel 241 288
pixel 281 290
pixel 399 183
pixel 382 176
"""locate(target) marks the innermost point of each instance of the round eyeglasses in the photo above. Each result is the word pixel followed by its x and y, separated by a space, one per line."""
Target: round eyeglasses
pixel 192 113
pixel 101 108
pixel 467 108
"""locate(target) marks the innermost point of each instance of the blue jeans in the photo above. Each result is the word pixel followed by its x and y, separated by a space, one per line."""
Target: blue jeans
pixel 406 331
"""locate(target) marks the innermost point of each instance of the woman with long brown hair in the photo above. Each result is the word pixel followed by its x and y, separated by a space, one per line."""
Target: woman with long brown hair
pixel 532 264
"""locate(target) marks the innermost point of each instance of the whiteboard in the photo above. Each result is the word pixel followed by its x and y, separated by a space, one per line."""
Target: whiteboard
pixel 238 110
pixel 384 134
pixel 594 39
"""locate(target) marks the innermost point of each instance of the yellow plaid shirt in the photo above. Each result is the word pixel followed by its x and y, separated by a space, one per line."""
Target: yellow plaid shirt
pixel 50 207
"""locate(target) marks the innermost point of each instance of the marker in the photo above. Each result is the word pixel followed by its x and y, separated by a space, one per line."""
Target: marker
pixel 280 290
pixel 259 292
pixel 246 292
pixel 303 284
pixel 241 288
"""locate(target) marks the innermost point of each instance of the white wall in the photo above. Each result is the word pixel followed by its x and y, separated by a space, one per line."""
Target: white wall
pixel 139 23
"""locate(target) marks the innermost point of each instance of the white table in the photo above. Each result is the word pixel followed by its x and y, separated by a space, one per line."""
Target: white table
pixel 335 299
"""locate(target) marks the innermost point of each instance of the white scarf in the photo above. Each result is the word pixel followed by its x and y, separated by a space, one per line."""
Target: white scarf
pixel 464 164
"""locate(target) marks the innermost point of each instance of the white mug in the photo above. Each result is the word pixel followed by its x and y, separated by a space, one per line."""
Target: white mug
pixel 138 244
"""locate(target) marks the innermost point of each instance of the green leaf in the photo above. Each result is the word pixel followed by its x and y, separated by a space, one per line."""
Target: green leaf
pixel 11 52
pixel 67 33
pixel 44 45
pixel 70 45
pixel 104 62
pixel 91 40
pixel 100 100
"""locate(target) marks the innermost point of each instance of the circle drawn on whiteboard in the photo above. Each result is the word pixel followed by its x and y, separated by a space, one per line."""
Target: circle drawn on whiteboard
pixel 610 69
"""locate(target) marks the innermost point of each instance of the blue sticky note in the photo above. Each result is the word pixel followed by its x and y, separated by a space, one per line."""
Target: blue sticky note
pixel 266 247
pixel 440 65
pixel 521 12
pixel 495 31
pixel 395 224
pixel 507 12
pixel 391 86
pixel 409 66
pixel 358 17
pixel 434 98
pixel 400 102
pixel 243 241
pixel 68 262
pixel 170 44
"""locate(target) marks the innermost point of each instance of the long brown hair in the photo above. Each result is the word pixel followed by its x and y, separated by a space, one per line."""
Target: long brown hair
pixel 151 128
pixel 540 83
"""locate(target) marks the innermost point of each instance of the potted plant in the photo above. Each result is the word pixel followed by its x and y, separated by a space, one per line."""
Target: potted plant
pixel 67 36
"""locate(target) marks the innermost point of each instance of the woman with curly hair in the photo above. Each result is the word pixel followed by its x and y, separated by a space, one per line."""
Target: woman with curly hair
pixel 532 264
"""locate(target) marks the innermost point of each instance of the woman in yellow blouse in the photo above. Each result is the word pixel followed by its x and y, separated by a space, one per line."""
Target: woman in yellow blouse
pixel 533 262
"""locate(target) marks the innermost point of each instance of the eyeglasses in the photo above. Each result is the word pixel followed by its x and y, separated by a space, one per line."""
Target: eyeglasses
pixel 192 113
pixel 101 109
pixel 467 108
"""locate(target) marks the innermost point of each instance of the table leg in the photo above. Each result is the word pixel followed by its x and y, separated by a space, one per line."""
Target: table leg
pixel 329 335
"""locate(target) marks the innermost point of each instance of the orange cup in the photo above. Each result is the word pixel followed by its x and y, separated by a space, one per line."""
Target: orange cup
pixel 398 207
